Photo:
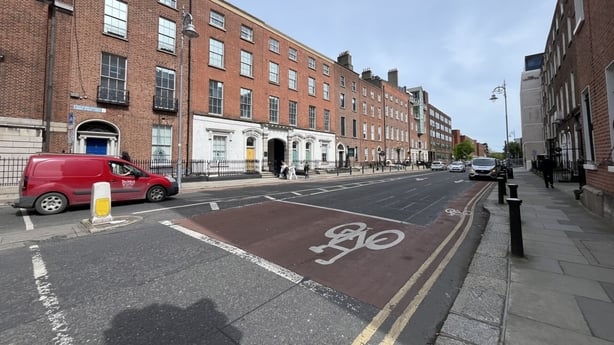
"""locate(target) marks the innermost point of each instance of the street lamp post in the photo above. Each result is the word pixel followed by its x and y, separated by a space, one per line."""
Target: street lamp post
pixel 502 90
pixel 189 31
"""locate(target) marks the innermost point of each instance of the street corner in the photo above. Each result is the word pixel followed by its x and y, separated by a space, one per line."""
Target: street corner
pixel 112 223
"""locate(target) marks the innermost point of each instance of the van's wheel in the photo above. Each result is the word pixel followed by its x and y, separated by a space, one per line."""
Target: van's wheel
pixel 156 193
pixel 51 203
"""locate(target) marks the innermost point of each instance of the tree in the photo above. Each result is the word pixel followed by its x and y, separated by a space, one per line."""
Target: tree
pixel 514 149
pixel 463 150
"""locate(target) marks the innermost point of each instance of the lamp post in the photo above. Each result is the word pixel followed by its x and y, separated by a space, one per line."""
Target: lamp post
pixel 502 90
pixel 189 31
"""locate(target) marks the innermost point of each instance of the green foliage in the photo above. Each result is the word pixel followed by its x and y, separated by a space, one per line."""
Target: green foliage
pixel 463 150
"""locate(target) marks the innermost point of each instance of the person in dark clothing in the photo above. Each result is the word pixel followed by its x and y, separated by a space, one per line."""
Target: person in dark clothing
pixel 306 169
pixel 547 168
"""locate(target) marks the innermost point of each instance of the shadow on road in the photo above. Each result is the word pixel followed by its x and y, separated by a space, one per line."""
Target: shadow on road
pixel 200 323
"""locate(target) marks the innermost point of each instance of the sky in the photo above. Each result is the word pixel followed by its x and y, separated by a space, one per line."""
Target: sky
pixel 459 51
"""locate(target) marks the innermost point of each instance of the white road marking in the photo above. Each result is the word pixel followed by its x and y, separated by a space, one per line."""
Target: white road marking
pixel 26 219
pixel 280 271
pixel 297 193
pixel 269 197
pixel 50 301
pixel 459 181
pixel 214 206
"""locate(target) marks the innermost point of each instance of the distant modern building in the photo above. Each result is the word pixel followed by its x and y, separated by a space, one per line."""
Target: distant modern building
pixel 440 134
pixel 531 110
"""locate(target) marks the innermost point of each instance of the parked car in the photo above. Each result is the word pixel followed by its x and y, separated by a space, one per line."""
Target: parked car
pixel 457 166
pixel 52 182
pixel 484 167
pixel 438 165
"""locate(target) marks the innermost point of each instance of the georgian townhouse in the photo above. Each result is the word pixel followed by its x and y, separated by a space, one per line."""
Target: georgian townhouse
pixel 258 94
pixel 578 84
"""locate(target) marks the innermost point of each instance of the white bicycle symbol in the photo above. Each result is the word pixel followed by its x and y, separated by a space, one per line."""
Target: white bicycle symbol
pixel 348 232
pixel 455 212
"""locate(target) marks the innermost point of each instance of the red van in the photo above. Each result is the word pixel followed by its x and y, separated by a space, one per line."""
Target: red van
pixel 52 182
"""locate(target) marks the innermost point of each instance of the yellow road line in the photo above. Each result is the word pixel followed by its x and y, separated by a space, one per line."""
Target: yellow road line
pixel 403 320
pixel 384 313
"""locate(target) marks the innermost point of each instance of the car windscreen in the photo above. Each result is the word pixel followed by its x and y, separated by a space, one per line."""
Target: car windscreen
pixel 482 162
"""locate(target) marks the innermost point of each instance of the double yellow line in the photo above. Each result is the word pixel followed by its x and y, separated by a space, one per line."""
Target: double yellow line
pixel 401 322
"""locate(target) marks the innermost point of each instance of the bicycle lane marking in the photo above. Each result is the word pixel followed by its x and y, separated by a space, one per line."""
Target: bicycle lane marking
pixel 283 233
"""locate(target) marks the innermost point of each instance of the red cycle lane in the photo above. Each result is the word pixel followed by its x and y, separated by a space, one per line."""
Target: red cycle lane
pixel 294 236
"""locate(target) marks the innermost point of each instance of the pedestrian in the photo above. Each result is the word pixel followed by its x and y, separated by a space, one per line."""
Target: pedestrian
pixel 283 173
pixel 306 169
pixel 547 168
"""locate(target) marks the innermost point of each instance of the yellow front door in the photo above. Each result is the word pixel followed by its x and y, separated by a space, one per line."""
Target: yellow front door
pixel 250 157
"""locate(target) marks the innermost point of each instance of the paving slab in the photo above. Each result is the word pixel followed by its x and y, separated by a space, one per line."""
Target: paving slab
pixel 522 331
pixel 591 272
pixel 549 307
pixel 472 331
pixel 558 283
pixel 539 263
pixel 599 315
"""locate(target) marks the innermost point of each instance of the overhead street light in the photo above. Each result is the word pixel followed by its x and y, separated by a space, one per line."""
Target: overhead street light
pixel 501 89
pixel 189 31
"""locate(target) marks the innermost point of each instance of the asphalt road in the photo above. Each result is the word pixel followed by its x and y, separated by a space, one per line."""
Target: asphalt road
pixel 368 260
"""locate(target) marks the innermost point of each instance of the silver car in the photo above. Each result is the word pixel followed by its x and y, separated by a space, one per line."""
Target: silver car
pixel 438 165
pixel 457 166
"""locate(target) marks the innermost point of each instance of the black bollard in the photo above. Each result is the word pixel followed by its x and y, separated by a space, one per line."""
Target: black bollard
pixel 513 190
pixel 501 181
pixel 515 226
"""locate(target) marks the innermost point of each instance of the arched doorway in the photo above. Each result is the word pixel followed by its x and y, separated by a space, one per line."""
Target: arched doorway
pixel 97 137
pixel 340 155
pixel 250 153
pixel 276 153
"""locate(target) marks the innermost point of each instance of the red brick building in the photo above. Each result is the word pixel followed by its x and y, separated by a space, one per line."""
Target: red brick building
pixel 578 79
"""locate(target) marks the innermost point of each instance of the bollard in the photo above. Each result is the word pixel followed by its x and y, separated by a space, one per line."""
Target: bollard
pixel 501 188
pixel 513 190
pixel 515 226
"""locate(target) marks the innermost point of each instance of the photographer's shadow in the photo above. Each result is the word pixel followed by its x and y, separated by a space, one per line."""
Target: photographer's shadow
pixel 199 324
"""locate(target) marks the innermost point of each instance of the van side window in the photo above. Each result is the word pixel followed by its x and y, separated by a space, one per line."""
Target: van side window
pixel 119 169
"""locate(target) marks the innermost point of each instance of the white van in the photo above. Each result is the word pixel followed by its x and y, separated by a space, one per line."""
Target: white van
pixel 487 167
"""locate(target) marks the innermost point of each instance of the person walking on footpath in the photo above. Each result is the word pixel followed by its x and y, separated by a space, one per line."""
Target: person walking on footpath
pixel 547 167
pixel 306 169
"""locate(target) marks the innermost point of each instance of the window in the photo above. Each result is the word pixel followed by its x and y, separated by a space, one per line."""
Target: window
pixel 353 86
pixel 354 105
pixel 246 63
pixel 113 79
pixel 274 45
pixel 372 132
pixel 311 63
pixel 219 148
pixel 342 126
pixel 354 128
pixel 116 18
pixel 342 100
pixel 161 140
pixel 579 11
pixel 217 19
pixel 273 109
pixel 247 33
pixel 273 72
pixel 326 120
pixel 216 97
pixel 165 90
pixel 312 86
pixel 312 117
pixel 166 35
pixel 292 80
pixel 292 54
pixel 324 152
pixel 292 112
pixel 169 3
pixel 364 130
pixel 326 69
pixel 246 103
pixel 342 81
pixel 216 53
pixel 326 91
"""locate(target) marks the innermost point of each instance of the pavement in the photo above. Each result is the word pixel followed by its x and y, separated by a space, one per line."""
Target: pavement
pixel 560 291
